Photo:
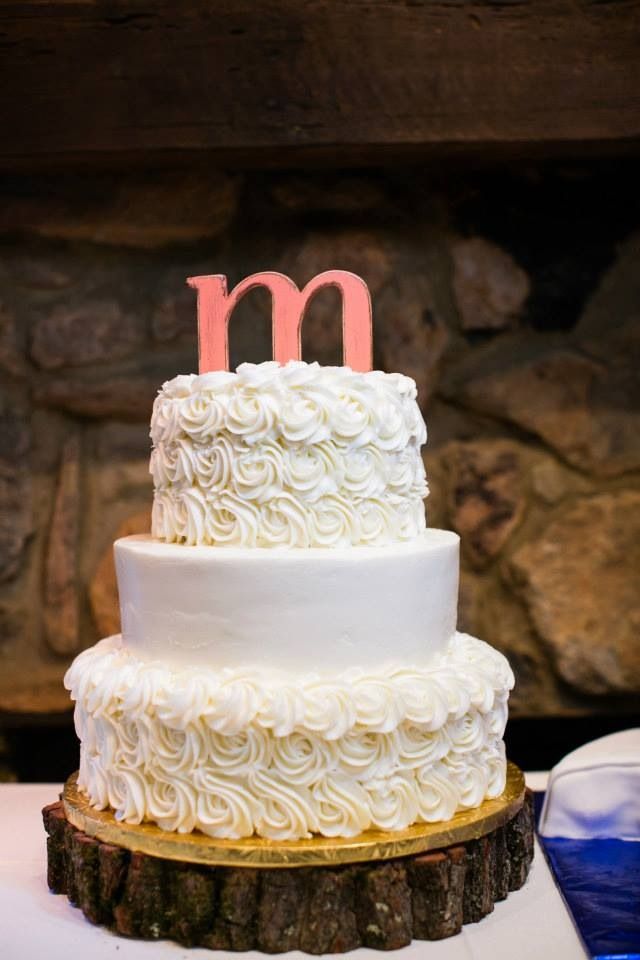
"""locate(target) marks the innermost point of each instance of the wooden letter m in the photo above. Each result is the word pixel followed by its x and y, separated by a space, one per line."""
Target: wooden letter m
pixel 215 306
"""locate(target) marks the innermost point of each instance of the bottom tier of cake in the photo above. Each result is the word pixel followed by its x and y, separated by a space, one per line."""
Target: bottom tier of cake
pixel 236 753
pixel 381 904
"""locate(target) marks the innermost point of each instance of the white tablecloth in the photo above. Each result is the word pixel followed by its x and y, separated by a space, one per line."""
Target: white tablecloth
pixel 531 924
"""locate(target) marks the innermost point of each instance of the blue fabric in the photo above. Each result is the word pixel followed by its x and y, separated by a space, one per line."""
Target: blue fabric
pixel 600 882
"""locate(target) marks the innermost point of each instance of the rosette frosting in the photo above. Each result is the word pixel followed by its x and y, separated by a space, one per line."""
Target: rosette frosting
pixel 288 456
pixel 237 752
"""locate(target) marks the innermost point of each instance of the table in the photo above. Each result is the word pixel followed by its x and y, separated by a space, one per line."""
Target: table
pixel 532 924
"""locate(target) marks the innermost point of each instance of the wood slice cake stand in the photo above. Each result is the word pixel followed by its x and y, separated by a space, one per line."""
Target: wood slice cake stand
pixel 320 895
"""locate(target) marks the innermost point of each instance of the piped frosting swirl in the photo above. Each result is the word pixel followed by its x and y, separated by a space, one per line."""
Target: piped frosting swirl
pixel 234 752
pixel 288 456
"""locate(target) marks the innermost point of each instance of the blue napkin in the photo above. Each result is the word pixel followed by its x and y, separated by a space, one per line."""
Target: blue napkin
pixel 600 882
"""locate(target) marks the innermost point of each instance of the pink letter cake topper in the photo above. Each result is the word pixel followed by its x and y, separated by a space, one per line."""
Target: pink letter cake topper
pixel 289 303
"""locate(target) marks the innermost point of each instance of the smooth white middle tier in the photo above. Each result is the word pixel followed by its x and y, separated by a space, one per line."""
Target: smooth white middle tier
pixel 311 610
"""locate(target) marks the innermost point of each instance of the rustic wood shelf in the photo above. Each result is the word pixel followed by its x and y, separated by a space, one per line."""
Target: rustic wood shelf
pixel 284 81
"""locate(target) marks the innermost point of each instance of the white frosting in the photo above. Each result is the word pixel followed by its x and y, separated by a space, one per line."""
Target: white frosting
pixel 229 752
pixel 288 456
pixel 292 610
pixel 287 692
pixel 595 791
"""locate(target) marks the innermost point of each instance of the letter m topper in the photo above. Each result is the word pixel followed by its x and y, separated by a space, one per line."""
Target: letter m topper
pixel 215 307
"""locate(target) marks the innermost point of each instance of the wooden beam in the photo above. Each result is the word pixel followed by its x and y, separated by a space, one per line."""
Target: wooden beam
pixel 85 78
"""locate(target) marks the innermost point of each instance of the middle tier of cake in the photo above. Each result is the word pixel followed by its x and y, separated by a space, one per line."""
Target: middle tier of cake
pixel 295 611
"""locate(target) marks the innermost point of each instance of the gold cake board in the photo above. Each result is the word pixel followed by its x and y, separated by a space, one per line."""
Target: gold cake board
pixel 315 852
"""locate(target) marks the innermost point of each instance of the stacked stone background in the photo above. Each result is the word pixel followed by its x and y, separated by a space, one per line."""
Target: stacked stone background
pixel 512 297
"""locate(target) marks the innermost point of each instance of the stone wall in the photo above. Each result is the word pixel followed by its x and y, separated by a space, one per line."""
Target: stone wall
pixel 513 298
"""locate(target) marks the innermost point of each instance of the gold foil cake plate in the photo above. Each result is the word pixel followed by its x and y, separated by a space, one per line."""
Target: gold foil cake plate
pixel 316 852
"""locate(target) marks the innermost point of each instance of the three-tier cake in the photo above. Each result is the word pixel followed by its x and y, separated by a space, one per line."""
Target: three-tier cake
pixel 289 663
pixel 290 746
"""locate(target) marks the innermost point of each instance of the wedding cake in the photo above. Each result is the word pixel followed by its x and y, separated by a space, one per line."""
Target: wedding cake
pixel 289 663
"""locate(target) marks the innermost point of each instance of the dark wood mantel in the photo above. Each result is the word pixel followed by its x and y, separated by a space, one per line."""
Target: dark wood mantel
pixel 282 78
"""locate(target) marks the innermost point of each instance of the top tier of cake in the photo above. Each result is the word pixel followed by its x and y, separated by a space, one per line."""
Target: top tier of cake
pixel 298 455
